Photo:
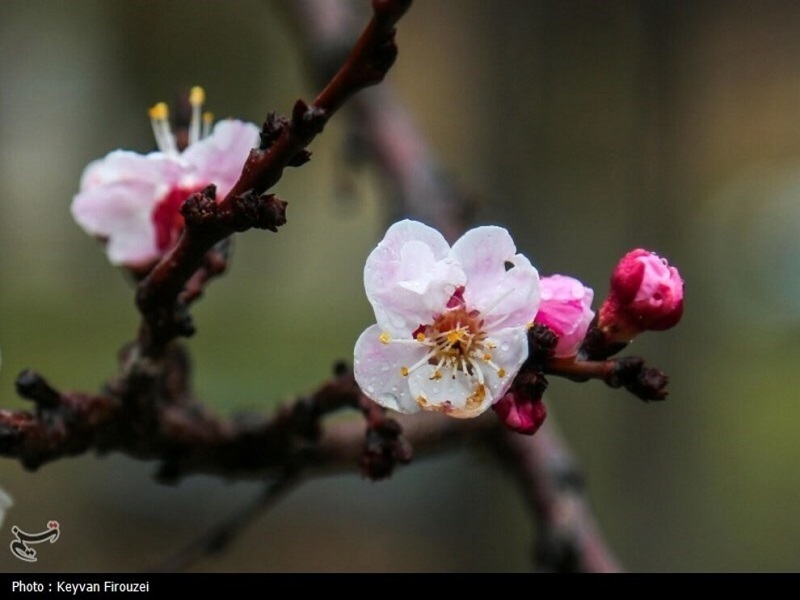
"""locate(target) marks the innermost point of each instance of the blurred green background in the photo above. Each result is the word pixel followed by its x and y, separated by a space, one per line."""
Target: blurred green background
pixel 588 128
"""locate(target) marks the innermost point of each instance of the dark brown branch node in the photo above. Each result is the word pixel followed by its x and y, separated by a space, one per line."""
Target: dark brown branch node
pixel 252 211
pixel 384 448
pixel 644 383
pixel 271 130
pixel 596 346
pixel 541 345
pixel 32 386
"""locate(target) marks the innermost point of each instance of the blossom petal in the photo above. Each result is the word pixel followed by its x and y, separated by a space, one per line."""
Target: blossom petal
pixel 510 353
pixel 122 213
pixel 219 158
pixel 123 165
pixel 377 365
pixel 456 394
pixel 409 277
pixel 511 296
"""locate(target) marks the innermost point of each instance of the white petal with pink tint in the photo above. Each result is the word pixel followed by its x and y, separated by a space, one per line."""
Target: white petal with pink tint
pixel 120 212
pixel 509 297
pixel 377 368
pixel 409 275
pixel 219 158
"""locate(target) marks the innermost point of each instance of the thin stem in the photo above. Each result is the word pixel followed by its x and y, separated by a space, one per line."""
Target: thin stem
pixel 223 535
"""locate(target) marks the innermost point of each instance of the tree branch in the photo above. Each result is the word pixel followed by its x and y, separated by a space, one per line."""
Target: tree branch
pixel 221 536
pixel 380 126
pixel 568 540
pixel 209 220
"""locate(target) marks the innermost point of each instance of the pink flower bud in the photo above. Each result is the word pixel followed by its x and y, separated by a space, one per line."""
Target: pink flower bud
pixel 566 309
pixel 520 413
pixel 646 294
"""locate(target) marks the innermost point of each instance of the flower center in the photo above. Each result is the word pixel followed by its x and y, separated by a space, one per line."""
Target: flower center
pixel 167 217
pixel 456 342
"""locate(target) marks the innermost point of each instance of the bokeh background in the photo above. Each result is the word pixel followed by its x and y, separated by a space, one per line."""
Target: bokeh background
pixel 588 128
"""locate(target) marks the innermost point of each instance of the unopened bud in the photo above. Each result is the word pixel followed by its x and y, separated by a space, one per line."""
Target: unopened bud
pixel 646 295
pixel 566 308
pixel 520 413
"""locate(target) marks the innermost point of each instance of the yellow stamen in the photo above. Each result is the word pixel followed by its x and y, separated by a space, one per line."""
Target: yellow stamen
pixel 197 96
pixel 385 338
pixel 501 373
pixel 420 337
pixel 404 371
pixel 208 119
pixel 159 119
pixel 159 112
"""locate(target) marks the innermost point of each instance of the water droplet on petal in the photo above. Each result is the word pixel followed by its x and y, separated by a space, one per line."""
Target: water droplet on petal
pixel 387 399
pixel 385 368
pixel 504 347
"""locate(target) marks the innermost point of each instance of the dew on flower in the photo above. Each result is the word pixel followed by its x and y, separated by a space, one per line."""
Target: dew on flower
pixel 452 323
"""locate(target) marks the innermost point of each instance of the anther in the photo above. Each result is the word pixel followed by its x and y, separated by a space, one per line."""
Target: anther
pixel 197 97
pixel 159 119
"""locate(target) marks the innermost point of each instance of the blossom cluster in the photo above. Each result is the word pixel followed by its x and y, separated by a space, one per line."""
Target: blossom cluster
pixel 452 322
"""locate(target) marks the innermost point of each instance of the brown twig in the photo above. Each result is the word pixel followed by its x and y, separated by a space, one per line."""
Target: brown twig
pixel 220 537
pixel 568 540
pixel 381 127
pixel 209 220
pixel 178 431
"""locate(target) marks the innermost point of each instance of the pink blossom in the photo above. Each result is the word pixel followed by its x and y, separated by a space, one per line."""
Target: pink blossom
pixel 452 323
pixel 519 413
pixel 132 201
pixel 566 308
pixel 646 294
